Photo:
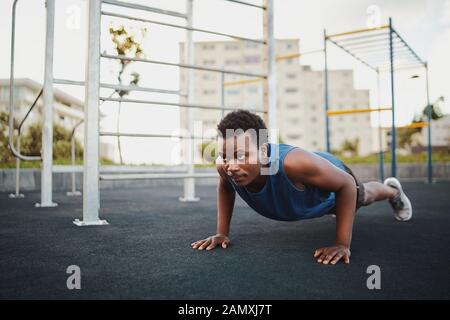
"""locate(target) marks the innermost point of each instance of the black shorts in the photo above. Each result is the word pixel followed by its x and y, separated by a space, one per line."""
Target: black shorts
pixel 359 188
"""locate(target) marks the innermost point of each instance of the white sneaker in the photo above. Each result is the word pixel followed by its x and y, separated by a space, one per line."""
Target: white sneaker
pixel 400 203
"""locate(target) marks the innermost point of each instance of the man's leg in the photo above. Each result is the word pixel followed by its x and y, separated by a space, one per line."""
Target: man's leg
pixel 376 191
pixel 391 190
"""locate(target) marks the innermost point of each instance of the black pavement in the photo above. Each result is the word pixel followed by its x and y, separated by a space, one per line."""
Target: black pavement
pixel 145 252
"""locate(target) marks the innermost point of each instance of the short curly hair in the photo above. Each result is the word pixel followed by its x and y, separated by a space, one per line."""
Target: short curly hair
pixel 244 120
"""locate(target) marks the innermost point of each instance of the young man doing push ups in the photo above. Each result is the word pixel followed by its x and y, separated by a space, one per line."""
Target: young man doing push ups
pixel 287 183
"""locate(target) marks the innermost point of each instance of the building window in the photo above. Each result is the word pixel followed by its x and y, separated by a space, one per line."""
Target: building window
pixel 293 136
pixel 313 119
pixel 314 143
pixel 208 47
pixel 252 59
pixel 252 45
pixel 229 62
pixel 231 46
pixel 253 89
pixel 291 90
pixel 291 76
pixel 233 91
pixel 208 76
pixel 209 91
pixel 313 107
pixel 209 62
pixel 292 105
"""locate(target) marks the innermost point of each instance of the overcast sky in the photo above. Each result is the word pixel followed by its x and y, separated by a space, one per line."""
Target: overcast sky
pixel 425 25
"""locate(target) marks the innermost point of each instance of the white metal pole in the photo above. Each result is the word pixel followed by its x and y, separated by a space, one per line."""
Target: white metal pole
pixel 91 197
pixel 270 88
pixel 74 191
pixel 47 127
pixel 222 93
pixel 189 183
pixel 17 194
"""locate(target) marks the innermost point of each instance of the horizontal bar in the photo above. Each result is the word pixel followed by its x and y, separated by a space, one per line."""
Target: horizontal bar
pixel 175 104
pixel 247 4
pixel 417 65
pixel 117 15
pixel 296 55
pixel 372 46
pixel 119 87
pixel 364 37
pixel 364 41
pixel 181 65
pixel 145 8
pixel 115 169
pixel 414 125
pixel 351 111
pixel 410 49
pixel 69 82
pixel 137 88
pixel 357 31
pixel 380 50
pixel 246 81
pixel 143 176
pixel 151 135
pixel 352 54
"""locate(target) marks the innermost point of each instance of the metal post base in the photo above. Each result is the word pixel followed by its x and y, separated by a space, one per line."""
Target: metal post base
pixel 99 222
pixel 16 195
pixel 40 205
pixel 73 193
pixel 184 199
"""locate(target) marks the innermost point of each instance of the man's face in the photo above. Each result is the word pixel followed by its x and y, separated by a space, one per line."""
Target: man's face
pixel 239 158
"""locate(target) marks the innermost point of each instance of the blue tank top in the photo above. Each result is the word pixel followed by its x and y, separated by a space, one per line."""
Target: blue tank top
pixel 280 199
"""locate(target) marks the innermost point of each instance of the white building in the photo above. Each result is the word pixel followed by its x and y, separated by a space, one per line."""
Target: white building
pixel 301 111
pixel 440 133
pixel 440 137
pixel 68 110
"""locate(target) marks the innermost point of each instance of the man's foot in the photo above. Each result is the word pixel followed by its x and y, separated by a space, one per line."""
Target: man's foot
pixel 400 202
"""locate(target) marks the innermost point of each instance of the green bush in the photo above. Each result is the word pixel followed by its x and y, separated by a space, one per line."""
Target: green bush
pixel 31 142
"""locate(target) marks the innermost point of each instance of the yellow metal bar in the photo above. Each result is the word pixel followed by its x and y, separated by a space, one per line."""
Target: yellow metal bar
pixel 278 58
pixel 357 31
pixel 245 81
pixel 415 125
pixel 296 55
pixel 288 56
pixel 350 111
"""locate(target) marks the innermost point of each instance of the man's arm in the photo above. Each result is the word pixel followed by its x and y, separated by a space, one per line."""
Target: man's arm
pixel 309 169
pixel 226 196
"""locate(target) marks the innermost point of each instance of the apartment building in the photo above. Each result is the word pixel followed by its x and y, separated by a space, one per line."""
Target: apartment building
pixel 67 110
pixel 301 112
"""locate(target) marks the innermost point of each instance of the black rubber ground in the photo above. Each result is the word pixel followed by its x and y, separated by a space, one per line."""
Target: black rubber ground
pixel 145 251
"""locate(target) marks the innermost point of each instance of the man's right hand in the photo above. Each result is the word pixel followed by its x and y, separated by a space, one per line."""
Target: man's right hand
pixel 211 242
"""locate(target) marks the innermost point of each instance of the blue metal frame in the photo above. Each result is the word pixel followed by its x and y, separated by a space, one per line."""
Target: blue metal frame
pixel 429 113
pixel 325 86
pixel 393 129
